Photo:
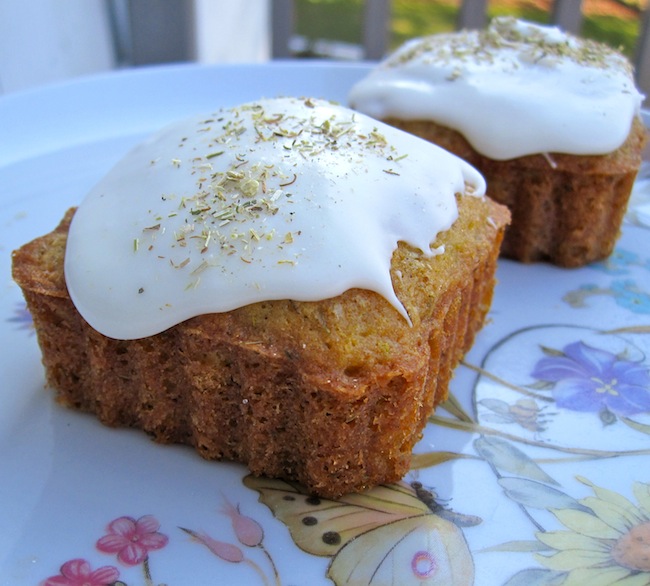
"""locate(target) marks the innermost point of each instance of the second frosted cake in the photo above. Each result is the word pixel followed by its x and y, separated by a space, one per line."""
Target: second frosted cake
pixel 551 120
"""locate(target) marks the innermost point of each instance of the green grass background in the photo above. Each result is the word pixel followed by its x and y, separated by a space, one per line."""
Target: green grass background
pixel 341 20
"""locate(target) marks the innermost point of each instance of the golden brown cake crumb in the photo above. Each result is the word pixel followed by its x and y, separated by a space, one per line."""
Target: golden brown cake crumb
pixel 333 394
pixel 566 209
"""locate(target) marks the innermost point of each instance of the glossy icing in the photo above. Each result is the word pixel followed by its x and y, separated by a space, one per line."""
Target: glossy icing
pixel 278 199
pixel 513 89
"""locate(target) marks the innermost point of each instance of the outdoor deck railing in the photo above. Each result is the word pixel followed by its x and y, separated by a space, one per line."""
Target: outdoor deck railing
pixel 567 14
pixel 162 31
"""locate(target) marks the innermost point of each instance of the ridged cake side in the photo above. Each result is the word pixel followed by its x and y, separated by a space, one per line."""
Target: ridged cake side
pixel 566 209
pixel 333 394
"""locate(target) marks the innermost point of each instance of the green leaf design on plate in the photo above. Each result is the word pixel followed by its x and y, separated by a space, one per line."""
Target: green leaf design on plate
pixel 429 459
pixel 521 546
pixel 539 496
pixel 642 427
pixel 536 577
pixel 506 457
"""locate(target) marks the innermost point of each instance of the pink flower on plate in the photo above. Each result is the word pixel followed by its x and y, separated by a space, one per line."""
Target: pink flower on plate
pixel 248 531
pixel 225 551
pixel 78 573
pixel 132 540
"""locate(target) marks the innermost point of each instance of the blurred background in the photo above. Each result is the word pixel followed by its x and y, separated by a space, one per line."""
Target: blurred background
pixel 45 41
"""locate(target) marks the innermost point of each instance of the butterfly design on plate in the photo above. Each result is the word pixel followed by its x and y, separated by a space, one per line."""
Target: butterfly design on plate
pixel 395 534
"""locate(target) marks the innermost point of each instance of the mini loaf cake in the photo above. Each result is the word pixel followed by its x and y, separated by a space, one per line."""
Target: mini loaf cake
pixel 287 283
pixel 552 122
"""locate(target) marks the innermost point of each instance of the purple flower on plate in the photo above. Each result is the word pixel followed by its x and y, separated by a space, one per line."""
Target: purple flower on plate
pixel 22 318
pixel 594 380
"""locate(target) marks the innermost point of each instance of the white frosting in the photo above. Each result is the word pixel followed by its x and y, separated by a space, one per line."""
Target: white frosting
pixel 278 199
pixel 513 89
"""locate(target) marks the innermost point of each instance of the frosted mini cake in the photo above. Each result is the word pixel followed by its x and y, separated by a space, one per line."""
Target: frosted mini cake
pixel 286 283
pixel 551 120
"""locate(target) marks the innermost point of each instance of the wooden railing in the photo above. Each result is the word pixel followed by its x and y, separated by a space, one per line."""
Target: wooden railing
pixel 145 43
pixel 567 14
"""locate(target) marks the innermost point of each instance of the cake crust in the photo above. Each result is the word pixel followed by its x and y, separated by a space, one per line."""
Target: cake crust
pixel 551 120
pixel 333 394
pixel 566 209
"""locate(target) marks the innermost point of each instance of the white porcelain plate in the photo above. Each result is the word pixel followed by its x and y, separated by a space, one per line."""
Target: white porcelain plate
pixel 539 473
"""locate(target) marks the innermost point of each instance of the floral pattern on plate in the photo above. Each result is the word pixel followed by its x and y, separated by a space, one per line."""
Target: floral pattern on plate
pixel 131 540
pixel 626 292
pixel 535 471
pixel 531 390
